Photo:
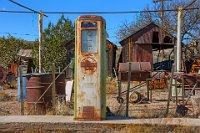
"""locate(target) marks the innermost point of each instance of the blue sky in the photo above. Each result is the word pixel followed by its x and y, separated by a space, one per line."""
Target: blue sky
pixel 28 23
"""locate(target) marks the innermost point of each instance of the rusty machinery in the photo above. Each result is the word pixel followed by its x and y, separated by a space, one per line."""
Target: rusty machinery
pixel 137 71
pixel 90 52
pixel 141 72
pixel 195 68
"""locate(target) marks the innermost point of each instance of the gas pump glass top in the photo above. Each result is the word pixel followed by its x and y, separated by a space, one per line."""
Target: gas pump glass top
pixel 89 38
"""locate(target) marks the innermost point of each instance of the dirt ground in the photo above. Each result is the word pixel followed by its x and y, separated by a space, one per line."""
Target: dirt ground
pixel 8 102
pixel 144 109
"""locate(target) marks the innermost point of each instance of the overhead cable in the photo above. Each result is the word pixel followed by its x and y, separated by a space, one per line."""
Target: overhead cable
pixel 26 7
pixel 106 12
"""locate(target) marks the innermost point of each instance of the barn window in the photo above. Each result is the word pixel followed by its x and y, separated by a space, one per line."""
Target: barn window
pixel 167 39
pixel 155 38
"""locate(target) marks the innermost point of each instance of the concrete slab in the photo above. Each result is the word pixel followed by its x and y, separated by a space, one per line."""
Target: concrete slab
pixel 54 123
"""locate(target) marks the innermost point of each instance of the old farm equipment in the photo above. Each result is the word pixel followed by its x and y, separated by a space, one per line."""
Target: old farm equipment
pixel 9 75
pixel 156 82
pixel 195 68
pixel 90 101
pixel 136 71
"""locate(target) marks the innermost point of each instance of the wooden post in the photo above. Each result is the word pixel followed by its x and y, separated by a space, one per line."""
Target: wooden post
pixel 53 88
pixel 147 89
pixel 40 41
pixel 151 96
pixel 183 87
pixel 170 90
pixel 176 91
pixel 128 88
pixel 119 88
pixel 21 90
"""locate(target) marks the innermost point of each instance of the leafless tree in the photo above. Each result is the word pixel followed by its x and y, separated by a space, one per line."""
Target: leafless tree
pixel 190 20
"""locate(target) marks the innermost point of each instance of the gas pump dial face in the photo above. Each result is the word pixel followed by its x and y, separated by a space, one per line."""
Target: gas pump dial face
pixel 89 38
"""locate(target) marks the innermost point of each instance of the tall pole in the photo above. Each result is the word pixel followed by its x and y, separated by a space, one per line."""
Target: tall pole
pixel 128 89
pixel 162 32
pixel 179 48
pixel 53 88
pixel 21 90
pixel 40 41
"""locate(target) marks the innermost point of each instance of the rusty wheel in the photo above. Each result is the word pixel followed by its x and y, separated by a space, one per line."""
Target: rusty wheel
pixel 135 97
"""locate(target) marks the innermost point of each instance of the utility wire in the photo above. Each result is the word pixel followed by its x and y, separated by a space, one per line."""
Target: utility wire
pixel 107 12
pixel 26 34
pixel 26 7
pixel 190 4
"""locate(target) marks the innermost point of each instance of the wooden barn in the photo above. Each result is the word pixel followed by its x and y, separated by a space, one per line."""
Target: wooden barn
pixel 139 46
pixel 111 55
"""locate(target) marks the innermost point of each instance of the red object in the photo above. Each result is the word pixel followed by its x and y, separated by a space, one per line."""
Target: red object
pixel 13 69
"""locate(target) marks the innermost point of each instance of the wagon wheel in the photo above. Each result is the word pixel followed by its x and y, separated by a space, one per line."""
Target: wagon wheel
pixel 135 97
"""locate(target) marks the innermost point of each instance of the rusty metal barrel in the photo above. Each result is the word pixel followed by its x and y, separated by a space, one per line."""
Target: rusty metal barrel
pixel 60 86
pixel 34 91
pixel 37 83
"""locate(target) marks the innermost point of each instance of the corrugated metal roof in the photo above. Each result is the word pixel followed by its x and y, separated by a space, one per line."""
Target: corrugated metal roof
pixel 27 53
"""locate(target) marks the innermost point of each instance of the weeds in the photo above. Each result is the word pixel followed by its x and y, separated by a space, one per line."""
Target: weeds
pixel 62 108
pixel 6 97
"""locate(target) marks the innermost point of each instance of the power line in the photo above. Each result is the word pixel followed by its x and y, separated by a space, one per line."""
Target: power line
pixel 89 13
pixel 26 7
pixel 190 3
pixel 9 33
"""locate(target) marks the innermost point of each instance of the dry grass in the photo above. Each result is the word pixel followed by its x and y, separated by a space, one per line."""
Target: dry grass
pixel 4 96
pixel 62 108
pixel 111 85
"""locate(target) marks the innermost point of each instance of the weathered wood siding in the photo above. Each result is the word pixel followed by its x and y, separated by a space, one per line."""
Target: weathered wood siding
pixel 138 47
pixel 111 57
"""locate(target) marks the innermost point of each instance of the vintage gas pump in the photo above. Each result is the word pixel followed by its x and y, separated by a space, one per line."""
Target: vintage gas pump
pixel 90 52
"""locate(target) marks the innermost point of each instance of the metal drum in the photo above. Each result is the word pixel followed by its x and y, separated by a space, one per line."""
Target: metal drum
pixel 60 86
pixel 34 92
pixel 37 84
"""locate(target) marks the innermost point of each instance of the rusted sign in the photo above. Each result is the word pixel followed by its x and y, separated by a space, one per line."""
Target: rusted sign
pixel 156 84
pixel 88 112
pixel 89 64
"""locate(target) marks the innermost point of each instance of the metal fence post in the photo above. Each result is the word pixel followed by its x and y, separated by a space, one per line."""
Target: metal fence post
pixel 21 90
pixel 128 88
pixel 53 88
